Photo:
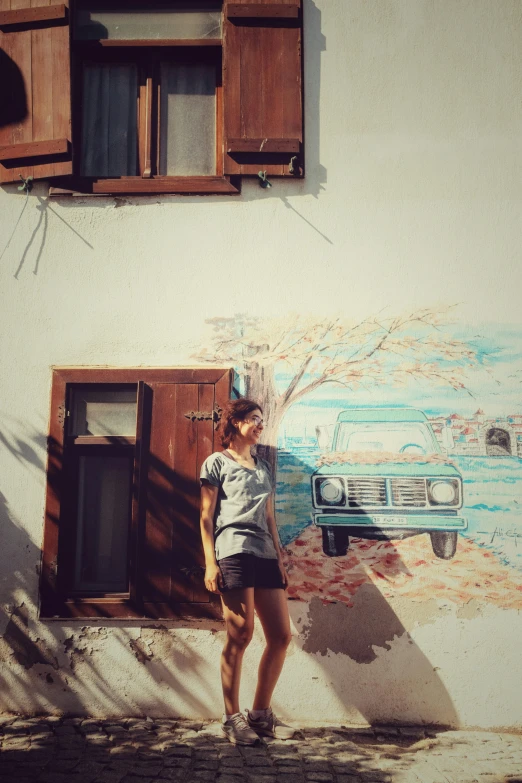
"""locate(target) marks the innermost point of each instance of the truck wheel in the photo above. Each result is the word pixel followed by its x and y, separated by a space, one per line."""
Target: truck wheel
pixel 444 544
pixel 335 541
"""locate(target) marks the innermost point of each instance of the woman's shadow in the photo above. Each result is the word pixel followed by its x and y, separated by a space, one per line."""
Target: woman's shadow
pixel 365 645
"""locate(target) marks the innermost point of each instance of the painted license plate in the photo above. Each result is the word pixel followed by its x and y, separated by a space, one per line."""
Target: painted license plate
pixel 390 520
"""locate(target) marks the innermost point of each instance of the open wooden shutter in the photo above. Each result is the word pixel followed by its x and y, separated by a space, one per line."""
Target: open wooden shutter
pixel 182 437
pixel 262 87
pixel 35 91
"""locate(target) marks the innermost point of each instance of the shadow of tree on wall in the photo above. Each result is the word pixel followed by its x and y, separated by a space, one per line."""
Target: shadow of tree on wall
pixel 76 666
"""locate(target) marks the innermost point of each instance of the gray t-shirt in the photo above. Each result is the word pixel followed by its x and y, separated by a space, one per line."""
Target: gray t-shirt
pixel 240 518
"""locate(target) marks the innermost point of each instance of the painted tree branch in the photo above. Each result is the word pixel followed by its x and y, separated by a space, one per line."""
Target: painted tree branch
pixel 315 351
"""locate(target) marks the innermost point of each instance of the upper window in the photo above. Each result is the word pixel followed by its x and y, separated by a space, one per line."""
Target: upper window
pixel 121 532
pixel 164 97
pixel 148 78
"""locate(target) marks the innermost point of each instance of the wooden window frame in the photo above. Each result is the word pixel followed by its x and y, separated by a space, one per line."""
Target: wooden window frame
pixel 147 53
pixel 259 129
pixel 57 600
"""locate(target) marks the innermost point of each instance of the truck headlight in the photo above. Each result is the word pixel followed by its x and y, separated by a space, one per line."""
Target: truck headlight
pixel 330 491
pixel 444 492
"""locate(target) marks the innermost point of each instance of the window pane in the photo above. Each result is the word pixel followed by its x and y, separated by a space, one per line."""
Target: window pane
pixel 109 127
pixel 104 496
pixel 188 119
pixel 103 413
pixel 149 20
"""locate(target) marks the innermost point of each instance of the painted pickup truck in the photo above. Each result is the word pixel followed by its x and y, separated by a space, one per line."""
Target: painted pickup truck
pixel 386 477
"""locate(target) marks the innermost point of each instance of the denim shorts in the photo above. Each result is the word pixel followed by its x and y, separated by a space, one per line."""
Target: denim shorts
pixel 245 570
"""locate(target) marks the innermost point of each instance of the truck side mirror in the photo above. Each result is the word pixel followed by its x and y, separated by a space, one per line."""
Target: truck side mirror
pixel 448 441
pixel 324 440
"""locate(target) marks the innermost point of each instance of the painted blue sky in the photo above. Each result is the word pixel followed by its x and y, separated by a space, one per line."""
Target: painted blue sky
pixel 495 386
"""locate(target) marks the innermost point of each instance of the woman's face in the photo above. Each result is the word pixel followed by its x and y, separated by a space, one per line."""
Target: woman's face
pixel 251 428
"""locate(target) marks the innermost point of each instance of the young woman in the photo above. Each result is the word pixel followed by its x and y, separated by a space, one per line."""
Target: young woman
pixel 244 564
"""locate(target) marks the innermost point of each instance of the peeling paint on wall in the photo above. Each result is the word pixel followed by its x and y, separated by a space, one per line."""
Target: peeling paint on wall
pixel 142 652
pixel 353 631
pixel 83 644
pixel 470 610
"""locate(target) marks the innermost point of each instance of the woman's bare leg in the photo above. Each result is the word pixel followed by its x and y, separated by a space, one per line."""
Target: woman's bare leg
pixel 238 611
pixel 272 609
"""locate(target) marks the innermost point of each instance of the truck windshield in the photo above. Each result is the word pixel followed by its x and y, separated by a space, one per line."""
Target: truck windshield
pixel 403 438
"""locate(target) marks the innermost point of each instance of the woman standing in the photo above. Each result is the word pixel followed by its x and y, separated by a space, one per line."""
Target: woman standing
pixel 244 564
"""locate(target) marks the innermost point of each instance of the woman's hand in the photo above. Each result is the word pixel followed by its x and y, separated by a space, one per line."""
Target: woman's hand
pixel 213 578
pixel 283 572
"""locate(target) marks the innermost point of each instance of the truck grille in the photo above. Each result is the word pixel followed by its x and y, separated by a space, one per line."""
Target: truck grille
pixel 409 492
pixel 366 492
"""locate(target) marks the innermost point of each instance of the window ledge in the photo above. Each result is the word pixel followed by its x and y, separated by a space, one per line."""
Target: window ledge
pixel 125 609
pixel 138 186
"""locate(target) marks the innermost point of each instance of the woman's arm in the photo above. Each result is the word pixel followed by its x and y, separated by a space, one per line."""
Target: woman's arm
pixel 272 526
pixel 209 496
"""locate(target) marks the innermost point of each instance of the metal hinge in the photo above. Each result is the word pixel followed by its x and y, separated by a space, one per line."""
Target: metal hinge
pixel 213 415
pixel 63 414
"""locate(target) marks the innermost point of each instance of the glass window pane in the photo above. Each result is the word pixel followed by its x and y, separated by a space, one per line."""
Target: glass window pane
pixel 149 20
pixel 188 119
pixel 104 498
pixel 109 126
pixel 103 413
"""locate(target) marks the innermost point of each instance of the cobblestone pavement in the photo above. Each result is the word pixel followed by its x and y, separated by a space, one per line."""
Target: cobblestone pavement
pixel 77 750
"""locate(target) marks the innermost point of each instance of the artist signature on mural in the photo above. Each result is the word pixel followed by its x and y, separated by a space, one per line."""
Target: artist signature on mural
pixel 501 533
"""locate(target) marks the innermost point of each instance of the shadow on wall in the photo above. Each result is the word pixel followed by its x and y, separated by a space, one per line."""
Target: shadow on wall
pixel 66 666
pixel 314 44
pixel 90 669
pixel 13 98
pixel 366 651
pixel 315 173
pixel 43 208
pixel 401 685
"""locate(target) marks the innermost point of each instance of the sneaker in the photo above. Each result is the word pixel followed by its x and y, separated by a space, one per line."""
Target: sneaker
pixel 269 726
pixel 237 730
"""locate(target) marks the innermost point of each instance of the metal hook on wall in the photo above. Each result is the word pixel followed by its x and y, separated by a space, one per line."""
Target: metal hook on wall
pixel 27 184
pixel 263 181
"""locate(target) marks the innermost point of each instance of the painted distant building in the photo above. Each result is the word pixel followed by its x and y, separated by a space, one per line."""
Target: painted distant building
pixel 479 435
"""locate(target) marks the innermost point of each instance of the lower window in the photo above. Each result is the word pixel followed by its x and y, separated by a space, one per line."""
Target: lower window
pixel 122 515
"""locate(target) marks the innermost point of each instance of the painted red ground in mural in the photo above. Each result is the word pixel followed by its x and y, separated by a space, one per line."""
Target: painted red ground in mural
pixel 406 568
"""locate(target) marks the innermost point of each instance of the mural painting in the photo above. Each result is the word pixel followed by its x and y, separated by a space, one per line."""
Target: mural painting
pixel 397 443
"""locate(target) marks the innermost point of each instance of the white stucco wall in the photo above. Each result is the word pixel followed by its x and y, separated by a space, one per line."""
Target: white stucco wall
pixel 412 197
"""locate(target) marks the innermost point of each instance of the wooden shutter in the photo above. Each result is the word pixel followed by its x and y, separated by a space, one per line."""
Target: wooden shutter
pixel 182 436
pixel 262 87
pixel 35 93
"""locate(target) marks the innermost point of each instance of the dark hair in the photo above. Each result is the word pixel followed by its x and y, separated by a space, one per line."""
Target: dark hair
pixel 235 409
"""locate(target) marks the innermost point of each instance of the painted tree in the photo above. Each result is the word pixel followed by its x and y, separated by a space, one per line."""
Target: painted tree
pixel 311 352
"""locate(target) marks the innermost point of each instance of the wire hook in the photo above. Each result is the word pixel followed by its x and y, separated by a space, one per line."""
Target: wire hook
pixel 27 184
pixel 263 181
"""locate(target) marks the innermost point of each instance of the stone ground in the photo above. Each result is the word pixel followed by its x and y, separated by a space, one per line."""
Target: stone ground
pixel 136 750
